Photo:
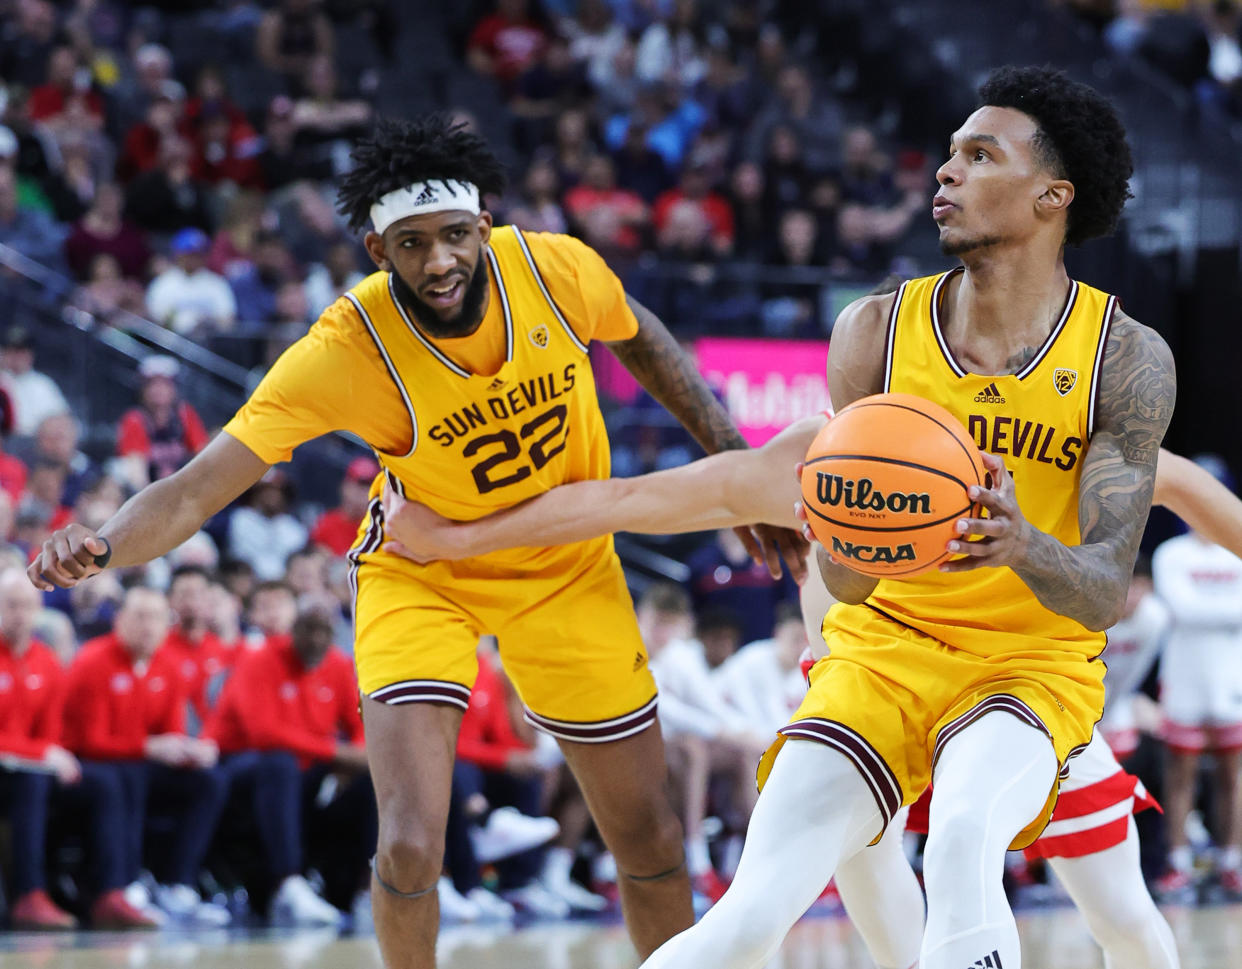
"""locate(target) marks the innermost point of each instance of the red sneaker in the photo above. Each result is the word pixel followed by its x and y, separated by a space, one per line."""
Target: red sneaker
pixel 1175 887
pixel 36 911
pixel 111 911
pixel 1230 880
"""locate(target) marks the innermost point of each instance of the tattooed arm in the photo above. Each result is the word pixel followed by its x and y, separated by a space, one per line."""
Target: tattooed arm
pixel 660 365
pixel 1087 582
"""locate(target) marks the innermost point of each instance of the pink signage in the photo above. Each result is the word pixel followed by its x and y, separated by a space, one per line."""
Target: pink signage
pixel 766 384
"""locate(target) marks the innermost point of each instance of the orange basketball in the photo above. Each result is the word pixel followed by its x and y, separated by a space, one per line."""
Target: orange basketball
pixel 885 481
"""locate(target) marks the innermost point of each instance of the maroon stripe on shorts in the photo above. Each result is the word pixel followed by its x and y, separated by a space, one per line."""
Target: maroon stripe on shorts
pixel 1001 702
pixel 874 769
pixel 597 731
pixel 423 691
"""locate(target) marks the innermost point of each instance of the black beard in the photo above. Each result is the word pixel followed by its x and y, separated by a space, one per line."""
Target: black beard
pixel 962 246
pixel 468 317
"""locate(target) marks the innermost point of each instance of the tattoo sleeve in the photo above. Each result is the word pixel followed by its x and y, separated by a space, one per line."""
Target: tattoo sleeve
pixel 660 365
pixel 1137 389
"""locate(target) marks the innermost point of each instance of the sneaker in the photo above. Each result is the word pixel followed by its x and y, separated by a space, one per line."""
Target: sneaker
pixel 1175 888
pixel 536 900
pixel 509 832
pixel 112 910
pixel 138 896
pixel 1230 881
pixel 455 907
pixel 35 911
pixel 185 904
pixel 580 899
pixel 711 885
pixel 492 907
pixel 296 903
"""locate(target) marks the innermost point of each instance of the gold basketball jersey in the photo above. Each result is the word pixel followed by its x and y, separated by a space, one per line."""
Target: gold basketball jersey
pixel 483 442
pixel 1039 421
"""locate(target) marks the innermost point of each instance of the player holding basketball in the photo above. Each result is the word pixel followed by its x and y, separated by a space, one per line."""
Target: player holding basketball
pixel 981 679
pixel 463 363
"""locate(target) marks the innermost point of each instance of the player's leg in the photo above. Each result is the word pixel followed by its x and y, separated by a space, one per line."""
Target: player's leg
pixel 1108 888
pixel 884 900
pixel 816 808
pixel 1180 776
pixel 992 779
pixel 410 748
pixel 1228 809
pixel 625 785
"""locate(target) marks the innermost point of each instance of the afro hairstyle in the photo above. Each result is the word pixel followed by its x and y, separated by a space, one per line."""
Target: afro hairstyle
pixel 1079 138
pixel 398 153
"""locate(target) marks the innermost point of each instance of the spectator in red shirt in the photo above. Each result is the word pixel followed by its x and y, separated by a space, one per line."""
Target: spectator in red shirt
pixel 125 714
pixel 286 721
pixel 67 89
pixel 31 697
pixel 507 42
pixel 695 187
pixel 202 658
pixel 609 218
pixel 163 432
pixel 337 529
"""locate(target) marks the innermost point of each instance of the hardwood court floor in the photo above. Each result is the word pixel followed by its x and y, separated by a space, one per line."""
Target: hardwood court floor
pixel 1209 938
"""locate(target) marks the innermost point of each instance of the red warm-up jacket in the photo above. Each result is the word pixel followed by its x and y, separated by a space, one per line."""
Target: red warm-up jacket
pixel 32 696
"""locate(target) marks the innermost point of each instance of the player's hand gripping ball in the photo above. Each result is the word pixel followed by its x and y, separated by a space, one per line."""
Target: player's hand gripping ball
pixel 885 482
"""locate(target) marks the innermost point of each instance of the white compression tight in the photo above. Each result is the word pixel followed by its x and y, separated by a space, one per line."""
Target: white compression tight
pixel 882 897
pixel 815 809
pixel 992 780
pixel 1108 889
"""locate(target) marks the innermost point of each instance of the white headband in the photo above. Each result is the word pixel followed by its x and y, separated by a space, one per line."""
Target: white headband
pixel 438 195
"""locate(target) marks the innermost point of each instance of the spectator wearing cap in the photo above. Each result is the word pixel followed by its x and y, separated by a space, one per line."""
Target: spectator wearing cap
pixel 337 528
pixel 103 230
pixel 125 714
pixel 34 394
pixel 187 297
pixel 168 197
pixel 287 719
pixel 263 532
pixel 163 432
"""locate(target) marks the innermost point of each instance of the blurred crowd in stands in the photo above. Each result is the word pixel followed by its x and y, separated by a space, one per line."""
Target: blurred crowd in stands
pixel 182 741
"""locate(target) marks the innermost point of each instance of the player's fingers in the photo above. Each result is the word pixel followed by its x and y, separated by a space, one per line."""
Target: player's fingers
pixel 800 511
pixel 963 565
pixel 980 549
pixel 396 548
pixel 981 526
pixel 798 471
pixel 748 541
pixel 35 574
pixel 771 553
pixel 52 568
pixel 793 551
pixel 66 558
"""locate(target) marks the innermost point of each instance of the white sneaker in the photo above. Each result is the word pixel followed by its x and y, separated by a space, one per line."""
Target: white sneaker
pixel 184 904
pixel 509 832
pixel 539 902
pixel 296 902
pixel 492 906
pixel 454 907
pixel 136 894
pixel 580 899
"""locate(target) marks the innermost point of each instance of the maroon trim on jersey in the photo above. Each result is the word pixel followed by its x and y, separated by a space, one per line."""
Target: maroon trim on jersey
pixel 556 310
pixel 597 731
pixel 1106 327
pixel 392 372
pixel 874 769
pixel 890 338
pixel 1000 702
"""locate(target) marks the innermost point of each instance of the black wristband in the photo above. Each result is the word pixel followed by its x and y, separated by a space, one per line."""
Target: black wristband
pixel 102 560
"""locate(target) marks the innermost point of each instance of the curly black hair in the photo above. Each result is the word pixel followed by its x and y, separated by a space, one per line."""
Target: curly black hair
pixel 398 153
pixel 1079 138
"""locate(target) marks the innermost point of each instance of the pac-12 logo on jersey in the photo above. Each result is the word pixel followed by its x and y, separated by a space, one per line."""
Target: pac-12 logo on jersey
pixel 1063 379
pixel 539 336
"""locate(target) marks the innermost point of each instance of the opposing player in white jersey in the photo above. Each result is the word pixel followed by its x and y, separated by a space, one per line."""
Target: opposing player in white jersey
pixel 1099 866
pixel 1201 695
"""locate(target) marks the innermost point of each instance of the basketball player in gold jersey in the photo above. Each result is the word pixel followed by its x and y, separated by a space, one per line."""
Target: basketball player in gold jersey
pixel 463 363
pixel 982 677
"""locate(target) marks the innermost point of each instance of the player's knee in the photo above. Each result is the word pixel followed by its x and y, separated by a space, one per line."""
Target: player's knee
pixel 953 838
pixel 647 840
pixel 408 857
pixel 1125 920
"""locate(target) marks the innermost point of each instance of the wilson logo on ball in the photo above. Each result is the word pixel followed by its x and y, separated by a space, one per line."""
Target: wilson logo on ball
pixel 838 491
pixel 872 553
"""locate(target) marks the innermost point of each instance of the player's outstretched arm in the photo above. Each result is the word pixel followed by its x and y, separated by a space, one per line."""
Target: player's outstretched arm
pixel 719 491
pixel 1088 581
pixel 1199 500
pixel 156 520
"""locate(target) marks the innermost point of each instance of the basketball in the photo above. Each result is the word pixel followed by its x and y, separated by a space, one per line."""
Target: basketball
pixel 884 482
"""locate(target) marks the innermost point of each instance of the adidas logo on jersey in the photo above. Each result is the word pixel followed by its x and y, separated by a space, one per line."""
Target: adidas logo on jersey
pixel 495 385
pixel 992 961
pixel 426 196
pixel 989 395
pixel 639 661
